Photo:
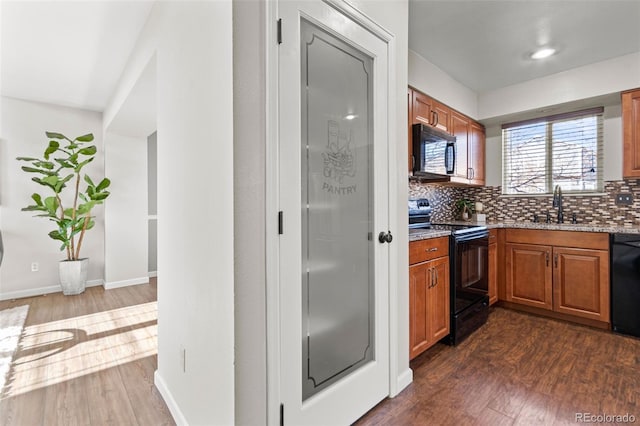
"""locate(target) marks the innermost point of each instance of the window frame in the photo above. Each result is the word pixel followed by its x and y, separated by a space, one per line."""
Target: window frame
pixel 597 112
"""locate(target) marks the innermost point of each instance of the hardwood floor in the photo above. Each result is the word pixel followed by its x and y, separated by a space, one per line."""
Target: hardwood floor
pixel 86 360
pixel 90 359
pixel 519 369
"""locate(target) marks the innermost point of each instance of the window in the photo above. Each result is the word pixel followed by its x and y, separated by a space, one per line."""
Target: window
pixel 564 149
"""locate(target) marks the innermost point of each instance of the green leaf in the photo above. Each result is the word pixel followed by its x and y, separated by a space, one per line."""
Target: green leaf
pixel 82 164
pixel 89 181
pixel 90 224
pixel 44 164
pixel 104 183
pixel 85 138
pixel 53 135
pixel 51 180
pixel 26 159
pixel 99 196
pixel 74 158
pixel 51 203
pixel 90 150
pixel 53 147
pixel 64 163
pixel 35 170
pixel 72 146
pixel 37 198
pixel 34 209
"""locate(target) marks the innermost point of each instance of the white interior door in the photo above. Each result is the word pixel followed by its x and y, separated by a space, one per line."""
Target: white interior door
pixel 333 185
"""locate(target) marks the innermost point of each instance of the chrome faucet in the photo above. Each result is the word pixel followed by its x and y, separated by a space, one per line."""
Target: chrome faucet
pixel 557 202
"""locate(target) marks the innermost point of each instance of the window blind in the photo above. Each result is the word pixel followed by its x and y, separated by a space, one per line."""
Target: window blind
pixel 563 149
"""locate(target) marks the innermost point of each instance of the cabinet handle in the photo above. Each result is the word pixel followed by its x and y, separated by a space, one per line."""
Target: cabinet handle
pixel 547 257
pixel 430 278
pixel 432 249
pixel 436 282
pixel 473 173
pixel 555 260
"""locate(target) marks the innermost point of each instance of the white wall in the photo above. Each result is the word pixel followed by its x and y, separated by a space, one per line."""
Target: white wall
pixel 250 208
pixel 586 86
pixel 25 238
pixel 126 237
pixel 590 81
pixel 429 79
pixel 193 43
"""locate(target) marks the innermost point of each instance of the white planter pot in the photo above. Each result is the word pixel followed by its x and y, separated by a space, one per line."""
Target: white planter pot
pixel 73 275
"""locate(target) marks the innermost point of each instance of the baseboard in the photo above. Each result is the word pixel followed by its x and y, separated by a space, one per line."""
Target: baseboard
pixel 175 411
pixel 153 274
pixel 403 380
pixel 125 283
pixel 19 294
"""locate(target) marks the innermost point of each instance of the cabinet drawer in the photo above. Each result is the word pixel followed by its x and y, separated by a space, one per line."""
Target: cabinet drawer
pixel 420 251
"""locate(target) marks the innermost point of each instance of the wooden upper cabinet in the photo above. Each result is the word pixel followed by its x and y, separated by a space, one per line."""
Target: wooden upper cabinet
pixel 460 129
pixel 631 133
pixel 470 136
pixel 441 116
pixel 476 153
pixel 422 106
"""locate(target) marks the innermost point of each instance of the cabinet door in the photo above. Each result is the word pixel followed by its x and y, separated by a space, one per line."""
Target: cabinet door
pixel 476 152
pixel 528 275
pixel 460 129
pixel 493 270
pixel 439 305
pixel 419 282
pixel 581 282
pixel 441 116
pixel 410 132
pixel 631 133
pixel 422 105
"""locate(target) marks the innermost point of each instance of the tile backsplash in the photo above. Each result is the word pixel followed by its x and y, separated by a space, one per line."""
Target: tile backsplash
pixel 589 209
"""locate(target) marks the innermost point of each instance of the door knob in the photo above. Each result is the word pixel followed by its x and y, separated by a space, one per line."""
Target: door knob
pixel 385 237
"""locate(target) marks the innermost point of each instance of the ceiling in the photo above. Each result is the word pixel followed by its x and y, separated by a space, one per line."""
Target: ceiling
pixel 69 53
pixel 72 53
pixel 485 45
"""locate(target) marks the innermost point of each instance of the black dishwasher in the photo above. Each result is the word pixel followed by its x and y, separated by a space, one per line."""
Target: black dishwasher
pixel 625 283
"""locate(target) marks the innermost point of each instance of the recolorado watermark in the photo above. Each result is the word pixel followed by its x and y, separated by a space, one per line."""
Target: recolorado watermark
pixel 605 418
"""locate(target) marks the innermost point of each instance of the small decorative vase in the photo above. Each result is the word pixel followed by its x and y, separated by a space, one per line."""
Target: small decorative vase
pixel 73 275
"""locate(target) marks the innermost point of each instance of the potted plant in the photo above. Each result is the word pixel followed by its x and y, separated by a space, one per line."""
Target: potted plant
pixel 59 169
pixel 466 208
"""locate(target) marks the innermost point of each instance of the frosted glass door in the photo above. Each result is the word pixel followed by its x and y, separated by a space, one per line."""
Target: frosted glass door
pixel 337 209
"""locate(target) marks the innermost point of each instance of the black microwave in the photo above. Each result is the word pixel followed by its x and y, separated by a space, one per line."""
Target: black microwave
pixel 434 152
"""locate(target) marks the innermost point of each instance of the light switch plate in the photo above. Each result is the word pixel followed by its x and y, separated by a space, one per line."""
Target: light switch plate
pixel 624 198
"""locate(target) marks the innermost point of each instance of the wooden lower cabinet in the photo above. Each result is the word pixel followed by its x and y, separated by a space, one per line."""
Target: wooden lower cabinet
pixel 581 282
pixel 529 275
pixel 493 266
pixel 571 281
pixel 428 301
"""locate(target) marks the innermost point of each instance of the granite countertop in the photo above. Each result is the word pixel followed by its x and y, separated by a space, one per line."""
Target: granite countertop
pixel 423 234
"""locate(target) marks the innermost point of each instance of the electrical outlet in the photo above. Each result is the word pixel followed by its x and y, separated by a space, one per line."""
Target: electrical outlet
pixel 624 198
pixel 35 267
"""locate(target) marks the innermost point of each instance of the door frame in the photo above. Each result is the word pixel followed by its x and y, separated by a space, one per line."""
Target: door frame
pixel 398 380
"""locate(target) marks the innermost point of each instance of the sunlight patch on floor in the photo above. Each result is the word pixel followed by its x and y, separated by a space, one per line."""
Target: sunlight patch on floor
pixel 11 323
pixel 62 350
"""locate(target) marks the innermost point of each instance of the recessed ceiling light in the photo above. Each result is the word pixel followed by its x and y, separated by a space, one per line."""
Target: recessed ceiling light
pixel 350 116
pixel 545 52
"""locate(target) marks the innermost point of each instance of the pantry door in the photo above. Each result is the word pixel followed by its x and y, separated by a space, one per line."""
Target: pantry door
pixel 334 199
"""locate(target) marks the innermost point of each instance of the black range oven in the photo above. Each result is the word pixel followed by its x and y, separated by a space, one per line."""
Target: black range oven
pixel 468 260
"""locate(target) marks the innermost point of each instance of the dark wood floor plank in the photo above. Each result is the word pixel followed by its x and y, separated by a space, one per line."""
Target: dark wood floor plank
pixel 519 369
